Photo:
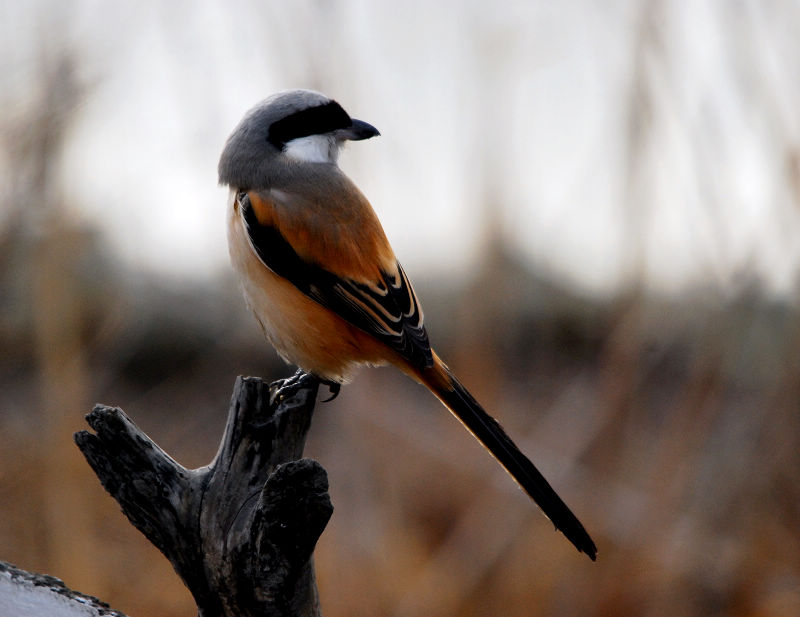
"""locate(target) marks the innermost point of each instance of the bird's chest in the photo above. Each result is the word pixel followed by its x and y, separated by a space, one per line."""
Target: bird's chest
pixel 302 331
pixel 273 300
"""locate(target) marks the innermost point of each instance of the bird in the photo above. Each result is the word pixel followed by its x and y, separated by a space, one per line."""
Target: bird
pixel 322 280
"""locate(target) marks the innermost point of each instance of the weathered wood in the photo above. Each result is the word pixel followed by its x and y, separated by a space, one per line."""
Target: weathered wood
pixel 26 594
pixel 240 532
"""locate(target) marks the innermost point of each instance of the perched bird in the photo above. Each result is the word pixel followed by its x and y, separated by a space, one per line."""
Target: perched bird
pixel 322 280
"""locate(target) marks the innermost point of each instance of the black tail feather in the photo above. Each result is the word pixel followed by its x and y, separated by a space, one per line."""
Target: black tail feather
pixel 489 432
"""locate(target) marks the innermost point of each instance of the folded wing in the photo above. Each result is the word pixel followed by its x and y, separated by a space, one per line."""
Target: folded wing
pixel 385 307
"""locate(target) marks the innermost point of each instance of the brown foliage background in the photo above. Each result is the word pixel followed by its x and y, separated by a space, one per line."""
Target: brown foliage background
pixel 668 422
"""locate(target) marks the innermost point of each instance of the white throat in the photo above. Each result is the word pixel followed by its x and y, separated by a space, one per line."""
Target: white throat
pixel 313 149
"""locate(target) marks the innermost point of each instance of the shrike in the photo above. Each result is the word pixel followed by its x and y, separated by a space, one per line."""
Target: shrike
pixel 322 279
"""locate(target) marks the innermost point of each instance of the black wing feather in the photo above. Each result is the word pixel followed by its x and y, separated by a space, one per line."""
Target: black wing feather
pixel 387 309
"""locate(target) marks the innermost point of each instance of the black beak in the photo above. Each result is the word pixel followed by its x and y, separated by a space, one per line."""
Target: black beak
pixel 357 131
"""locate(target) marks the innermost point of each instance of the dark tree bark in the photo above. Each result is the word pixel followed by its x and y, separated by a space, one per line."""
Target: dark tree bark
pixel 241 531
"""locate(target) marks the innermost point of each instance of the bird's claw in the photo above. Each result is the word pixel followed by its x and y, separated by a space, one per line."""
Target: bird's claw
pixel 285 388
pixel 334 387
pixel 289 386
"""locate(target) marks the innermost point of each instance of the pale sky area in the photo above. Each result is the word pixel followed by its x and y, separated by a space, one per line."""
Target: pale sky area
pixel 609 140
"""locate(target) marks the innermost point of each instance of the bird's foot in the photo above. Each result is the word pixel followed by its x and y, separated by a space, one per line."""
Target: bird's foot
pixel 289 386
pixel 285 388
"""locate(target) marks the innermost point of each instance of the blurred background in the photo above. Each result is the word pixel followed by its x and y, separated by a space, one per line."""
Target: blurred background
pixel 599 204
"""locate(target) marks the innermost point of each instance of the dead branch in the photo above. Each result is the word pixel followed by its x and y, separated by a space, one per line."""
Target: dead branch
pixel 241 531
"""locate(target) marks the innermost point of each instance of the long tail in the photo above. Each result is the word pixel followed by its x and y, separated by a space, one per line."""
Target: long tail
pixel 441 381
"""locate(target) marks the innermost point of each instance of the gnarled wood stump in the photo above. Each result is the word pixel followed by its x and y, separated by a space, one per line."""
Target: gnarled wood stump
pixel 241 531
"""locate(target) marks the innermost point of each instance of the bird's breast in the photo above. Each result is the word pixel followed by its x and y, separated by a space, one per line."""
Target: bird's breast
pixel 302 331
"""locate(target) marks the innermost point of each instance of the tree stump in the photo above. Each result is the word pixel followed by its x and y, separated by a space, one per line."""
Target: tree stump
pixel 241 531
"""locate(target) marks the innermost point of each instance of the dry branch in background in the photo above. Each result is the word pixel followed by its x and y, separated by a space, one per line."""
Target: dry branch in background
pixel 241 531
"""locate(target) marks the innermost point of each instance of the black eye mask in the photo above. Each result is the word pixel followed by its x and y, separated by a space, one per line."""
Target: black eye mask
pixel 312 121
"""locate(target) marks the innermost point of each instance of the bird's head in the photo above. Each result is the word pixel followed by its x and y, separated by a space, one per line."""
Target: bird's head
pixel 292 126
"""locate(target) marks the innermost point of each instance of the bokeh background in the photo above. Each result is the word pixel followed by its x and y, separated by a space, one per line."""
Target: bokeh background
pixel 599 204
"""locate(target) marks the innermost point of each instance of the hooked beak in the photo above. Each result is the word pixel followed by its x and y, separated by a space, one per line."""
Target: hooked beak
pixel 357 131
